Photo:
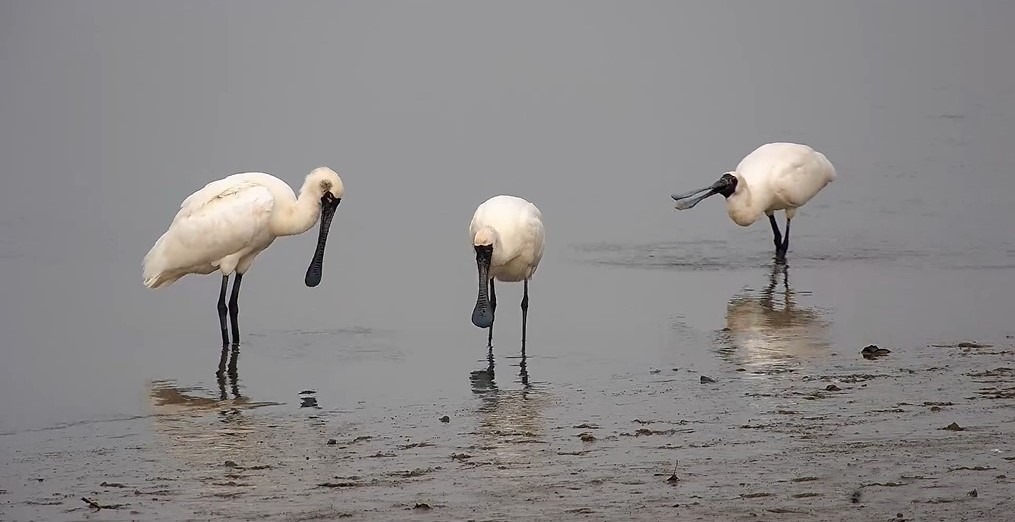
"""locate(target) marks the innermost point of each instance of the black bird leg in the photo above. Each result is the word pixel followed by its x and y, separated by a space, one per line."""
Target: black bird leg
pixel 775 232
pixel 234 309
pixel 525 313
pixel 785 240
pixel 493 312
pixel 781 242
pixel 222 311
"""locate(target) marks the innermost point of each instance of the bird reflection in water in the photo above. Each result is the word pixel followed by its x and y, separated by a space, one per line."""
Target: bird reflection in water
pixel 484 380
pixel 768 332
pixel 511 422
pixel 201 430
pixel 230 355
pixel 168 397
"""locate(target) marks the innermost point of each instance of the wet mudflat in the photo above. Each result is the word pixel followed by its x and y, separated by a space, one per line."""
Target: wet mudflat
pixel 767 411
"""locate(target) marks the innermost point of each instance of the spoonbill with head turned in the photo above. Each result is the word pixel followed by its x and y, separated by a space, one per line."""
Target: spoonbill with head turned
pixel 776 176
pixel 227 223
pixel 507 234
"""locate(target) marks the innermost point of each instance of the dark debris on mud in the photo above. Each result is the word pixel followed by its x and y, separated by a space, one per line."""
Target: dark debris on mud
pixel 873 351
pixel 808 444
pixel 97 506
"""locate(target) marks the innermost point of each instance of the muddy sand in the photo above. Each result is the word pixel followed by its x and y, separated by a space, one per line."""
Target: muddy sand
pixel 918 434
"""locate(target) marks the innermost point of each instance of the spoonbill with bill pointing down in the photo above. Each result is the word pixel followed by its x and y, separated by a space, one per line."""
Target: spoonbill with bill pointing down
pixel 508 237
pixel 227 223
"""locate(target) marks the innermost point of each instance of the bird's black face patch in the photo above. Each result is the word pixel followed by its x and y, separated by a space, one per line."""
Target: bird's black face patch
pixel 484 253
pixel 727 185
pixel 329 202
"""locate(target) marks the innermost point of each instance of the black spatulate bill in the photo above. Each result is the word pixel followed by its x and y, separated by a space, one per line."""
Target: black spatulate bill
pixel 329 204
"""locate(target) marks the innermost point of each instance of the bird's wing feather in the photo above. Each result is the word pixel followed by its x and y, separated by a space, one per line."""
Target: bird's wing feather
pixel 211 191
pixel 219 220
pixel 801 176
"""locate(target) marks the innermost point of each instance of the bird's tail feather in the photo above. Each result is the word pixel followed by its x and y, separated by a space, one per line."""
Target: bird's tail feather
pixel 153 269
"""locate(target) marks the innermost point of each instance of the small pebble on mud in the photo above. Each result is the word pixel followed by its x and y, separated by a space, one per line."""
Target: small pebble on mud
pixel 231 464
pixel 332 442
pixel 832 387
pixel 954 427
pixel 973 493
pixel 706 380
pixel 587 437
pixel 445 419
pixel 422 505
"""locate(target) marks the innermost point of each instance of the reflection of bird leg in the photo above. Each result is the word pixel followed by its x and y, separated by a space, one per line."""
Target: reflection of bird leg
pixel 787 293
pixel 220 375
pixel 482 380
pixel 234 375
pixel 524 373
pixel 769 292
pixel 227 367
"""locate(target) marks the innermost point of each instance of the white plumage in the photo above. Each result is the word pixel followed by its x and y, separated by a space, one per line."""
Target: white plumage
pixel 775 176
pixel 508 236
pixel 227 223
pixel 515 229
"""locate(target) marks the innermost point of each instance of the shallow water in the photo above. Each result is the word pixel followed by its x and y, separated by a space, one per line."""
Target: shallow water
pixel 256 443
pixel 112 392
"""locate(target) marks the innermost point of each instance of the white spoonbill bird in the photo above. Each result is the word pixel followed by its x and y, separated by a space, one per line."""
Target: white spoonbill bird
pixel 507 234
pixel 227 223
pixel 776 176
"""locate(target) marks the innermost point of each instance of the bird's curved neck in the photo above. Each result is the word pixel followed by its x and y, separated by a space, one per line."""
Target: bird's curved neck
pixel 744 206
pixel 298 215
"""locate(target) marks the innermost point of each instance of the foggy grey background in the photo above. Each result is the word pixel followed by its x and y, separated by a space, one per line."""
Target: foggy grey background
pixel 111 113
